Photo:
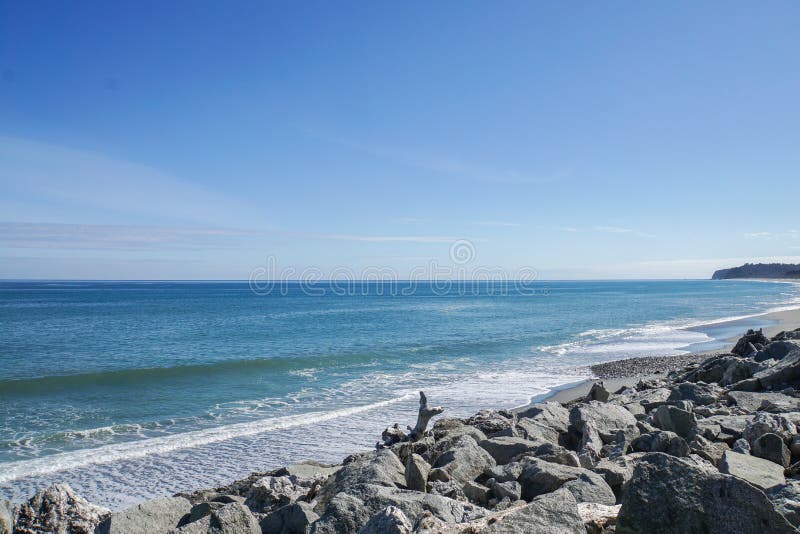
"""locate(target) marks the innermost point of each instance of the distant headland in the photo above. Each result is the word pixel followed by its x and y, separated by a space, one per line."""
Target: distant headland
pixel 759 270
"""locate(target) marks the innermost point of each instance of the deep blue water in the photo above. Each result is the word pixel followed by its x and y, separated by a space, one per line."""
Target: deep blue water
pixel 146 388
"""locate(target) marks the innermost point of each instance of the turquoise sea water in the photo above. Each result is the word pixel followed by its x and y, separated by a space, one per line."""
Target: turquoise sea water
pixel 127 390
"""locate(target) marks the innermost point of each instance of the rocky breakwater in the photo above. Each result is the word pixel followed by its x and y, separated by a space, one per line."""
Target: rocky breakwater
pixel 712 447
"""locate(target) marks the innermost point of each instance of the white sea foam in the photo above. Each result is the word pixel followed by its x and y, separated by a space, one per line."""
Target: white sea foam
pixel 165 444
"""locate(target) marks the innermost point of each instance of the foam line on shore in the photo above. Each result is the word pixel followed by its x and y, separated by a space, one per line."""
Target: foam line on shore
pixel 165 444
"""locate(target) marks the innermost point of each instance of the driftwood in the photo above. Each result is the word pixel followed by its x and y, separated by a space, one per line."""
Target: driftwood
pixel 423 417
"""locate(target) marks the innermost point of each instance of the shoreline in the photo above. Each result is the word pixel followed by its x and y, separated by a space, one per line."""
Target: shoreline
pixel 626 372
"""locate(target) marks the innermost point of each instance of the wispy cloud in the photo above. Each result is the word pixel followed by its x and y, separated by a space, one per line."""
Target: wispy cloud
pixel 444 164
pixel 52 181
pixel 605 230
pixel 773 236
pixel 99 236
pixel 507 224
pixel 385 238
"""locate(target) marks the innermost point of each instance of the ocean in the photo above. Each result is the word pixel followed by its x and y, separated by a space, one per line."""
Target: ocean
pixel 131 390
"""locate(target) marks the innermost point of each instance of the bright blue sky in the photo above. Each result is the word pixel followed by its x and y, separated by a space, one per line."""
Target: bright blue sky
pixel 583 139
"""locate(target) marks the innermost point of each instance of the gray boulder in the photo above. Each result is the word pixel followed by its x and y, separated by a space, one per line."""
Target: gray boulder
pixel 271 492
pixel 771 447
pixel 598 393
pixel 555 512
pixel 505 449
pixel 453 429
pixel 757 471
pixel 381 467
pixel 662 441
pixel 390 520
pixel 669 494
pixel 765 401
pixel 766 423
pixel 295 518
pixel 787 500
pixel 510 490
pixel 157 515
pixel 350 512
pixel 58 510
pixel 731 425
pixel 539 477
pixel 616 472
pixel 777 350
pixel 477 493
pixel 711 451
pixel 744 346
pixel 489 421
pixel 550 414
pixel 605 418
pixel 673 419
pixel 417 470
pixel 232 518
pixel 784 373
pixel 534 430
pixel 461 463
pixel 699 393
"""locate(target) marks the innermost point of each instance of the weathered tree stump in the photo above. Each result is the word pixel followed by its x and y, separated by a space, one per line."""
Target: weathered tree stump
pixel 423 417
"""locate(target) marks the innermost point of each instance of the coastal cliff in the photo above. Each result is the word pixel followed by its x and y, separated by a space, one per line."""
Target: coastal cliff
pixel 710 446
pixel 759 270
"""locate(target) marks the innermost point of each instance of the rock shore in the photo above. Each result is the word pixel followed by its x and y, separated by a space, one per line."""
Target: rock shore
pixel 711 445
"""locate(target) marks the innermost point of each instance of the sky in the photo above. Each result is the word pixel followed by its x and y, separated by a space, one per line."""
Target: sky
pixel 211 140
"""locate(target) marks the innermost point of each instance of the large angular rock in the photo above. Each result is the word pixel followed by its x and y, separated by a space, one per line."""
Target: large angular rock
pixel 307 470
pixel 661 441
pixel 157 515
pixel 489 421
pixel 554 512
pixel 731 425
pixel 766 423
pixel 462 463
pixel 777 350
pixel 765 401
pixel 390 520
pixel 349 512
pixel 505 449
pixel 673 419
pixel 381 467
pixel 417 470
pixel 711 451
pixel 447 429
pixel 784 373
pixel 771 447
pixel 539 477
pixel 58 510
pixel 757 471
pixel 271 492
pixel 787 500
pixel 669 494
pixel 534 430
pixel 605 418
pixel 550 414
pixel 616 472
pixel 294 518
pixel 699 393
pixel 233 518
pixel 751 337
